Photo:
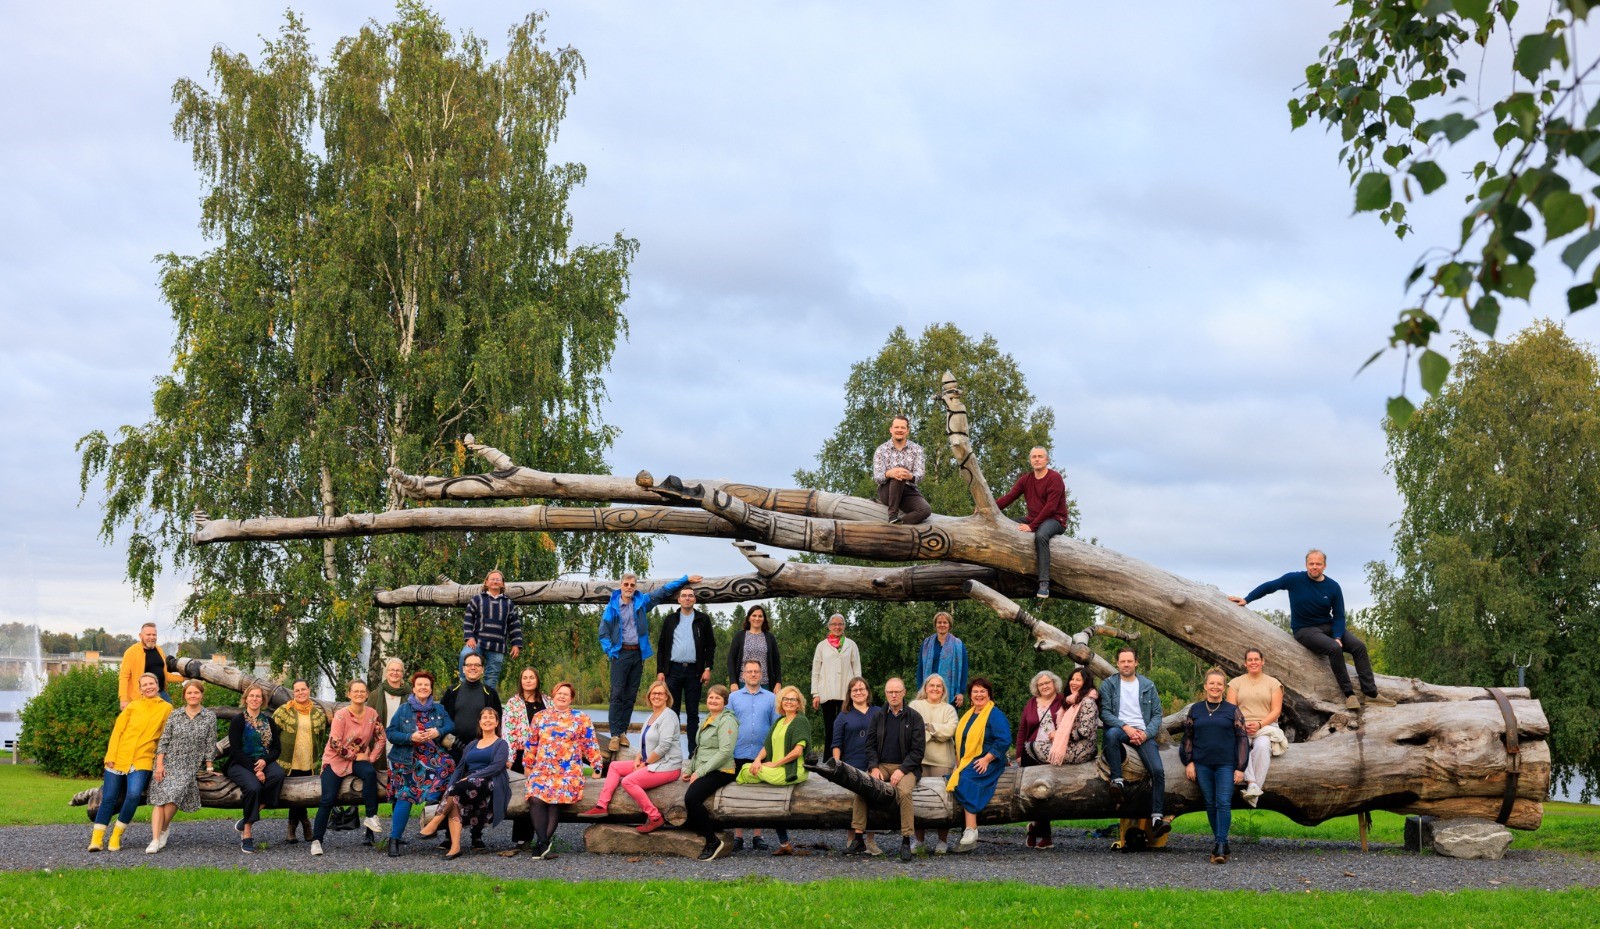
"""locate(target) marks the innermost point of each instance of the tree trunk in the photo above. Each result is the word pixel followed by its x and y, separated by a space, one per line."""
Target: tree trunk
pixel 1439 751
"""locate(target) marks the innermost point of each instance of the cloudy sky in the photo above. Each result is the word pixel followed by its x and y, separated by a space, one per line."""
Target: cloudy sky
pixel 1116 198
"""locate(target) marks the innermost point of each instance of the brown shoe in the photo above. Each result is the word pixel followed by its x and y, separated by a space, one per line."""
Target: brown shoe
pixel 1352 702
pixel 786 848
pixel 1377 700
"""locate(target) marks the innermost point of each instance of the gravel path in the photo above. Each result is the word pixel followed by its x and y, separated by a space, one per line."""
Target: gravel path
pixel 1270 864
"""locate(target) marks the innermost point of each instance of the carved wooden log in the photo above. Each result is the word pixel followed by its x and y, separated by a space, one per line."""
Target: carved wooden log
pixel 1046 637
pixel 1392 762
pixel 237 680
pixel 772 578
pixel 646 519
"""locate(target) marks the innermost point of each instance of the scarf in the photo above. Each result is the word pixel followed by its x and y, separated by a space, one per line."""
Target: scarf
pixel 257 735
pixel 418 705
pixel 400 691
pixel 834 640
pixel 969 743
pixel 1063 735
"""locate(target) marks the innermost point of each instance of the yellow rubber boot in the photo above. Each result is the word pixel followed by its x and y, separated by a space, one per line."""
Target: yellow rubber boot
pixel 98 840
pixel 115 844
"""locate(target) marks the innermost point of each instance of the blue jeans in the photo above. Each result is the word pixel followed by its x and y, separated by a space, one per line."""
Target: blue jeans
pixel 364 772
pixel 626 669
pixel 1216 786
pixel 124 790
pixel 494 664
pixel 1116 747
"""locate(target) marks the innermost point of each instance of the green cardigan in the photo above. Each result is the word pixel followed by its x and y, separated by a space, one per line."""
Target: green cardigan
pixel 799 731
pixel 713 747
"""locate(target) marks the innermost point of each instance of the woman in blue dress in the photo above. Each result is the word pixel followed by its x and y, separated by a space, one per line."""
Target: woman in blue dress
pixel 982 737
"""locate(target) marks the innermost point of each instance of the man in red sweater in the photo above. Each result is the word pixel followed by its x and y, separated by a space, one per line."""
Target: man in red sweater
pixel 1046 494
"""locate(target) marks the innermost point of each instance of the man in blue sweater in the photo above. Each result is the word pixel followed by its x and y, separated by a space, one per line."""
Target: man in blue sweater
pixel 1316 617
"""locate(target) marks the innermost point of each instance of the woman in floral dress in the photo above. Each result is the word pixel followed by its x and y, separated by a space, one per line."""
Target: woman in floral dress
pixel 419 767
pixel 559 741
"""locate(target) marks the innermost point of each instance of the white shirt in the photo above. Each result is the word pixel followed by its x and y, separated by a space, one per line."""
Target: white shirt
pixel 1128 704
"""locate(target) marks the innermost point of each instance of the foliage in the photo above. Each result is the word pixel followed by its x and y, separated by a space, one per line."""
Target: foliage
pixel 66 726
pixel 903 378
pixel 1497 552
pixel 106 896
pixel 392 267
pixel 1394 80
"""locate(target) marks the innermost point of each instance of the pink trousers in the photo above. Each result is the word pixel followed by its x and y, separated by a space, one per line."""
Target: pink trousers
pixel 635 778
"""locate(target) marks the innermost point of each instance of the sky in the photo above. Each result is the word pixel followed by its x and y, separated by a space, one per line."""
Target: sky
pixel 1117 199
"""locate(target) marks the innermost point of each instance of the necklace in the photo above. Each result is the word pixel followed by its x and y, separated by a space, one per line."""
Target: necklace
pixel 1212 708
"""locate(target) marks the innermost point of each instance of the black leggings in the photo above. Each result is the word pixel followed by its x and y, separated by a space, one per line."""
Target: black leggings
pixel 695 798
pixel 546 817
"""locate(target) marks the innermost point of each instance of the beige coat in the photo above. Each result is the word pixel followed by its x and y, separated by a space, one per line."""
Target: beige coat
pixel 939 722
pixel 832 668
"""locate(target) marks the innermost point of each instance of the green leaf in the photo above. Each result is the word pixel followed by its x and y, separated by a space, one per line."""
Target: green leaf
pixel 1400 410
pixel 1580 297
pixel 1485 314
pixel 1400 110
pixel 1454 278
pixel 1297 116
pixel 1429 175
pixel 1433 368
pixel 1416 273
pixel 1516 281
pixel 1563 212
pixel 1505 134
pixel 1368 363
pixel 1476 10
pixel 1373 191
pixel 1574 254
pixel 1534 53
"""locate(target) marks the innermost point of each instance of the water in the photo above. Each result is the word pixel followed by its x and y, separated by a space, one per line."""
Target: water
pixel 31 681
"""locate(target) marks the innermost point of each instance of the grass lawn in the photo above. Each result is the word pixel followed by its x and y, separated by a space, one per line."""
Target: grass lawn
pixel 283 900
pixel 34 798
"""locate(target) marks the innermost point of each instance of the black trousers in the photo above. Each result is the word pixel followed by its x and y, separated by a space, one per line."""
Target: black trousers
pixel 1320 640
pixel 683 684
pixel 830 712
pixel 694 801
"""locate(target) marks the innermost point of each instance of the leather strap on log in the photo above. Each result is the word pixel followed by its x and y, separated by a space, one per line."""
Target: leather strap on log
pixel 1513 754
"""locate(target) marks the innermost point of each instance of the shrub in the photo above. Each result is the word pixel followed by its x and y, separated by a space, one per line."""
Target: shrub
pixel 66 727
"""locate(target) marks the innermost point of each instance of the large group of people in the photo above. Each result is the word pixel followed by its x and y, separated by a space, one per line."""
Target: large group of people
pixel 452 754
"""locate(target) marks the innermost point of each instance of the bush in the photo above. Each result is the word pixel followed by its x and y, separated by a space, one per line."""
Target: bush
pixel 66 727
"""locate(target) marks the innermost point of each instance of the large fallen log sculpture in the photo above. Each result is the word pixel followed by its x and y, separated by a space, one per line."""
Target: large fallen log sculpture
pixel 1443 750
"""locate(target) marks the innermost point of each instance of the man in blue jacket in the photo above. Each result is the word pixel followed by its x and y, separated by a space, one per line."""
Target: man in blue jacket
pixel 1316 618
pixel 1130 710
pixel 625 638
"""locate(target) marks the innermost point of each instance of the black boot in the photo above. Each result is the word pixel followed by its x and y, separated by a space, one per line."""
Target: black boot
pixel 1216 853
pixel 856 846
pixel 1227 852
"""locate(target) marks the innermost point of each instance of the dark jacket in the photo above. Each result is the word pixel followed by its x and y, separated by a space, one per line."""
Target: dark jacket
pixel 463 717
pixel 494 772
pixel 736 659
pixel 1149 704
pixel 236 755
pixel 799 731
pixel 913 739
pixel 705 642
pixel 1028 725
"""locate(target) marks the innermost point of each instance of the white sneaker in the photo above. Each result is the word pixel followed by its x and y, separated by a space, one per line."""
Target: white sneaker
pixel 969 841
pixel 153 847
pixel 941 848
pixel 371 822
pixel 165 835
pixel 1252 794
pixel 316 847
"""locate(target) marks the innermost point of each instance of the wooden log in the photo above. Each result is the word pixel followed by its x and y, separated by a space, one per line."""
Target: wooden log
pixel 1393 762
pixel 510 482
pixel 644 519
pixel 772 578
pixel 1047 637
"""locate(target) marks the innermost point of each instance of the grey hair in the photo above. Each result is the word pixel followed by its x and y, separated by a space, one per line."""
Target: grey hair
pixel 1033 685
pixel 1318 551
pixel 392 662
pixel 922 692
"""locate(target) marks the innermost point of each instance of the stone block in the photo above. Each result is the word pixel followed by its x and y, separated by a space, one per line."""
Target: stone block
pixel 1471 838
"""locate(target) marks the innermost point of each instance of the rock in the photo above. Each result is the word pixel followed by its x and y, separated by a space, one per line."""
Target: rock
pixel 604 839
pixel 1419 833
pixel 1471 838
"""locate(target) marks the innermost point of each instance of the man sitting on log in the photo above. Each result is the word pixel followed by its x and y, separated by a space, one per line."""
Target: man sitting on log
pixel 1316 618
pixel 897 466
pixel 1130 709
pixel 1046 494
pixel 894 754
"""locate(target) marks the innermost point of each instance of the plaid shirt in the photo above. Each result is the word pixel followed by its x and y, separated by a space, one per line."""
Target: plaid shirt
pixel 493 621
pixel 887 456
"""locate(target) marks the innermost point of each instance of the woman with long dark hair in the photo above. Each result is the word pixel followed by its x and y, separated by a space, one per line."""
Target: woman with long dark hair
pixel 755 643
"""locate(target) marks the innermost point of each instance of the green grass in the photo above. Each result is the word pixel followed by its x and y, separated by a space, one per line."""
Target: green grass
pixel 284 900
pixel 34 798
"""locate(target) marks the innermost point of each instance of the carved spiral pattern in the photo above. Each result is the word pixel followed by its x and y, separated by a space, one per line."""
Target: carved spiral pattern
pixel 932 543
pixel 621 518
pixel 747 587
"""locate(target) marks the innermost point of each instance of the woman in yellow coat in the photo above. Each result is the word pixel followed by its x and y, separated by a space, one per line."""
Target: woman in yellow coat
pixel 130 757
